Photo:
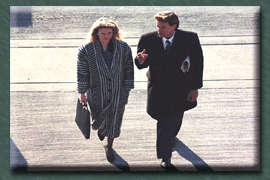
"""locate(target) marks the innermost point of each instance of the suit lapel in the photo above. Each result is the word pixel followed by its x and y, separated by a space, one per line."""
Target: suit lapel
pixel 159 47
pixel 178 46
pixel 177 43
pixel 116 56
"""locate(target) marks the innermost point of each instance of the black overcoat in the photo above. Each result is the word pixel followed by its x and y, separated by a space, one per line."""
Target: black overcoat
pixel 168 86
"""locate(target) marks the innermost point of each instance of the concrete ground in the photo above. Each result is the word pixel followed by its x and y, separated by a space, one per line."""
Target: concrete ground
pixel 221 134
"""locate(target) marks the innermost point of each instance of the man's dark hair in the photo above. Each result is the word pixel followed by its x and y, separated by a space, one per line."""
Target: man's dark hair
pixel 167 16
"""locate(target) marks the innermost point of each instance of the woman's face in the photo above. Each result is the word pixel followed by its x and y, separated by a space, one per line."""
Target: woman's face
pixel 105 34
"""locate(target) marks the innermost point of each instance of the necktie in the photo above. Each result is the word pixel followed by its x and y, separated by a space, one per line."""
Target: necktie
pixel 168 47
pixel 167 59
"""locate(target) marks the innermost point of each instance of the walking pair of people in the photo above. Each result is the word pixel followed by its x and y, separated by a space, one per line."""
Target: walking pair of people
pixel 105 75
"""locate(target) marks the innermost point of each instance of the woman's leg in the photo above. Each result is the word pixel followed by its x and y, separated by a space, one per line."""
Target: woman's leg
pixel 109 151
pixel 110 142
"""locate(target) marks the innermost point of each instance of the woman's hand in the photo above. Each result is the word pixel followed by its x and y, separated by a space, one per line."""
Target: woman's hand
pixel 83 99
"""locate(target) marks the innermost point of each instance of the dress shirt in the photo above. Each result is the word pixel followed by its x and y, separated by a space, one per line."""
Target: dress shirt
pixel 170 39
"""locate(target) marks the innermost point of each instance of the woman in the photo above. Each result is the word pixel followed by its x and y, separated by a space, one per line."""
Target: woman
pixel 105 75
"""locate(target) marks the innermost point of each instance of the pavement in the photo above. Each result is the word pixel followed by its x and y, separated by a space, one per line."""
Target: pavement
pixel 220 134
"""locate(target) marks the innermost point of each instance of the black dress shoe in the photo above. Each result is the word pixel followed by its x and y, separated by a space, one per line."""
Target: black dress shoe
pixel 165 163
pixel 100 136
pixel 109 153
pixel 168 167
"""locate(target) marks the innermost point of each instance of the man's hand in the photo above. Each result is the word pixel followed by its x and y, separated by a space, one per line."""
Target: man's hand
pixel 142 56
pixel 192 95
pixel 83 99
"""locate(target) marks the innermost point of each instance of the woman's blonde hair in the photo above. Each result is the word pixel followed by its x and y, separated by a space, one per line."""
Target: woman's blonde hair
pixel 103 23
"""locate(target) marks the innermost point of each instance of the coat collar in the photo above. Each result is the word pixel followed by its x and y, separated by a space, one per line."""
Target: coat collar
pixel 177 46
pixel 177 42
pixel 99 53
pixel 170 39
pixel 176 39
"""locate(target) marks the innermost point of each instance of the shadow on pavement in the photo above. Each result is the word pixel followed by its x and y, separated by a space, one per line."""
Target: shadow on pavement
pixel 189 155
pixel 17 161
pixel 120 163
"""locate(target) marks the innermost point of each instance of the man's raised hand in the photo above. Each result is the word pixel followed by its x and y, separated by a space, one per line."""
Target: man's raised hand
pixel 142 56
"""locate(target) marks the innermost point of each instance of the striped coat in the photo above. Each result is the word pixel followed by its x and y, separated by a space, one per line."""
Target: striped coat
pixel 107 90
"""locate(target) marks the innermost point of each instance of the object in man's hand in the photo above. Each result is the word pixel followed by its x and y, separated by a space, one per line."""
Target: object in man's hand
pixel 186 65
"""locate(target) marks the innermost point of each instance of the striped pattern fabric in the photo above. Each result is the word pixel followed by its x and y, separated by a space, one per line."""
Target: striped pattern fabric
pixel 107 90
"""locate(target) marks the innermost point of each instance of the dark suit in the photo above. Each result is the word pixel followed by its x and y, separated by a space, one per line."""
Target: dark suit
pixel 168 86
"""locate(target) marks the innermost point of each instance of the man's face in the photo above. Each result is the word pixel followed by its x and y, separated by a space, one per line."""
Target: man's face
pixel 165 30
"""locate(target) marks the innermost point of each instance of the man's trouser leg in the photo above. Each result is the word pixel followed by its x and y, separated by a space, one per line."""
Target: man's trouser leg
pixel 167 129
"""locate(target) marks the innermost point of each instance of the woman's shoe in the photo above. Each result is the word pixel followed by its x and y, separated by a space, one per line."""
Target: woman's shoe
pixel 109 153
pixel 101 137
pixel 94 127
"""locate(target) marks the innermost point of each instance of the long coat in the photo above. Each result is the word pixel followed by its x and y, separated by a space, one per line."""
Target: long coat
pixel 107 90
pixel 168 86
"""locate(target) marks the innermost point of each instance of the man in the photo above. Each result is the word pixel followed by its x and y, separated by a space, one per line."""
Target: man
pixel 175 62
